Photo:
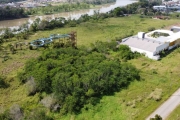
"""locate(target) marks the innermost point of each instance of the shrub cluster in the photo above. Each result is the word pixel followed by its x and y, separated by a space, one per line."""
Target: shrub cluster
pixel 3 84
pixel 80 76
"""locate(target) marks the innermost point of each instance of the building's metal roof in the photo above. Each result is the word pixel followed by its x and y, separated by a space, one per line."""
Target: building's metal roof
pixel 150 43
pixel 144 44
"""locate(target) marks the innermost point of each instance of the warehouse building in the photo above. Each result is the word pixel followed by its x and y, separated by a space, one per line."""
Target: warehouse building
pixel 152 43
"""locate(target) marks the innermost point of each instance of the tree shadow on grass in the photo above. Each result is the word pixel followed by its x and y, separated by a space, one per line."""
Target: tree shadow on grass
pixel 3 84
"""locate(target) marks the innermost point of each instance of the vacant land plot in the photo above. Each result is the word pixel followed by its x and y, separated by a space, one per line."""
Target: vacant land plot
pixel 158 78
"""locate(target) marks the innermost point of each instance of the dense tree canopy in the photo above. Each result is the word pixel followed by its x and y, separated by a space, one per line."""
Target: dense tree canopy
pixel 80 76
pixel 11 13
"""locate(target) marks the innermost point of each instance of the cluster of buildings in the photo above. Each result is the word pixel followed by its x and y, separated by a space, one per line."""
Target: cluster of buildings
pixel 31 3
pixel 168 6
pixel 171 3
pixel 23 5
pixel 151 44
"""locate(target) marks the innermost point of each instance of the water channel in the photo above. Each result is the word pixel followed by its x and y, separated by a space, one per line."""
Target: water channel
pixel 73 15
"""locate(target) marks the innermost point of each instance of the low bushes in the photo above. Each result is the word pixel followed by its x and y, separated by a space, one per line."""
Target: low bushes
pixel 3 84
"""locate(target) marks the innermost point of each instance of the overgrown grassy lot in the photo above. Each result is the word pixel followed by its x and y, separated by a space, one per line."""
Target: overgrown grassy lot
pixel 159 78
pixel 108 29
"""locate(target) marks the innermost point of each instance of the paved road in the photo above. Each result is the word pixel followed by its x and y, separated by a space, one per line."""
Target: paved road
pixel 168 106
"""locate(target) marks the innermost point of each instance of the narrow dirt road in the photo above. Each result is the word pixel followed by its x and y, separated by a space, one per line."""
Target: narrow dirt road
pixel 168 106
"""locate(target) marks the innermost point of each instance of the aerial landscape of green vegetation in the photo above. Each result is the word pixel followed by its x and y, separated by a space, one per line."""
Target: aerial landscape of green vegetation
pixel 156 77
pixel 96 80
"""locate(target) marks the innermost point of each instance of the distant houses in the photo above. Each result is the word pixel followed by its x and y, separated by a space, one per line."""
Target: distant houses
pixel 168 6
pixel 24 4
pixel 160 8
pixel 31 3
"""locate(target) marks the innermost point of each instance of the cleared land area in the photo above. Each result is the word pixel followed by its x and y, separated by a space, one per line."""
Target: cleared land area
pixel 159 79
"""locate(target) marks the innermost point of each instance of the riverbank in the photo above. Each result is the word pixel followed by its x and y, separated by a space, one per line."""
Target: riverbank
pixel 91 6
pixel 73 15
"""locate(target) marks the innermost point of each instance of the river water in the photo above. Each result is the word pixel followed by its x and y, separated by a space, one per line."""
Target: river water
pixel 73 15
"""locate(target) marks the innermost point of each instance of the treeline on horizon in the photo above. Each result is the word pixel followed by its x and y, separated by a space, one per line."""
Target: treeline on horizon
pixel 11 13
pixel 117 12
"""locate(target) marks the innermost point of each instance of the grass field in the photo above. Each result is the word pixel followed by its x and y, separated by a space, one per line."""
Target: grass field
pixel 175 115
pixel 158 78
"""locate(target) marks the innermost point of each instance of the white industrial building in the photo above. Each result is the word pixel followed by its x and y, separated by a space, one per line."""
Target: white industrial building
pixel 152 43
pixel 161 7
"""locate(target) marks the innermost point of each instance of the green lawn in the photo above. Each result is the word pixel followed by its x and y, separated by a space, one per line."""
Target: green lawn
pixel 128 104
pixel 175 115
